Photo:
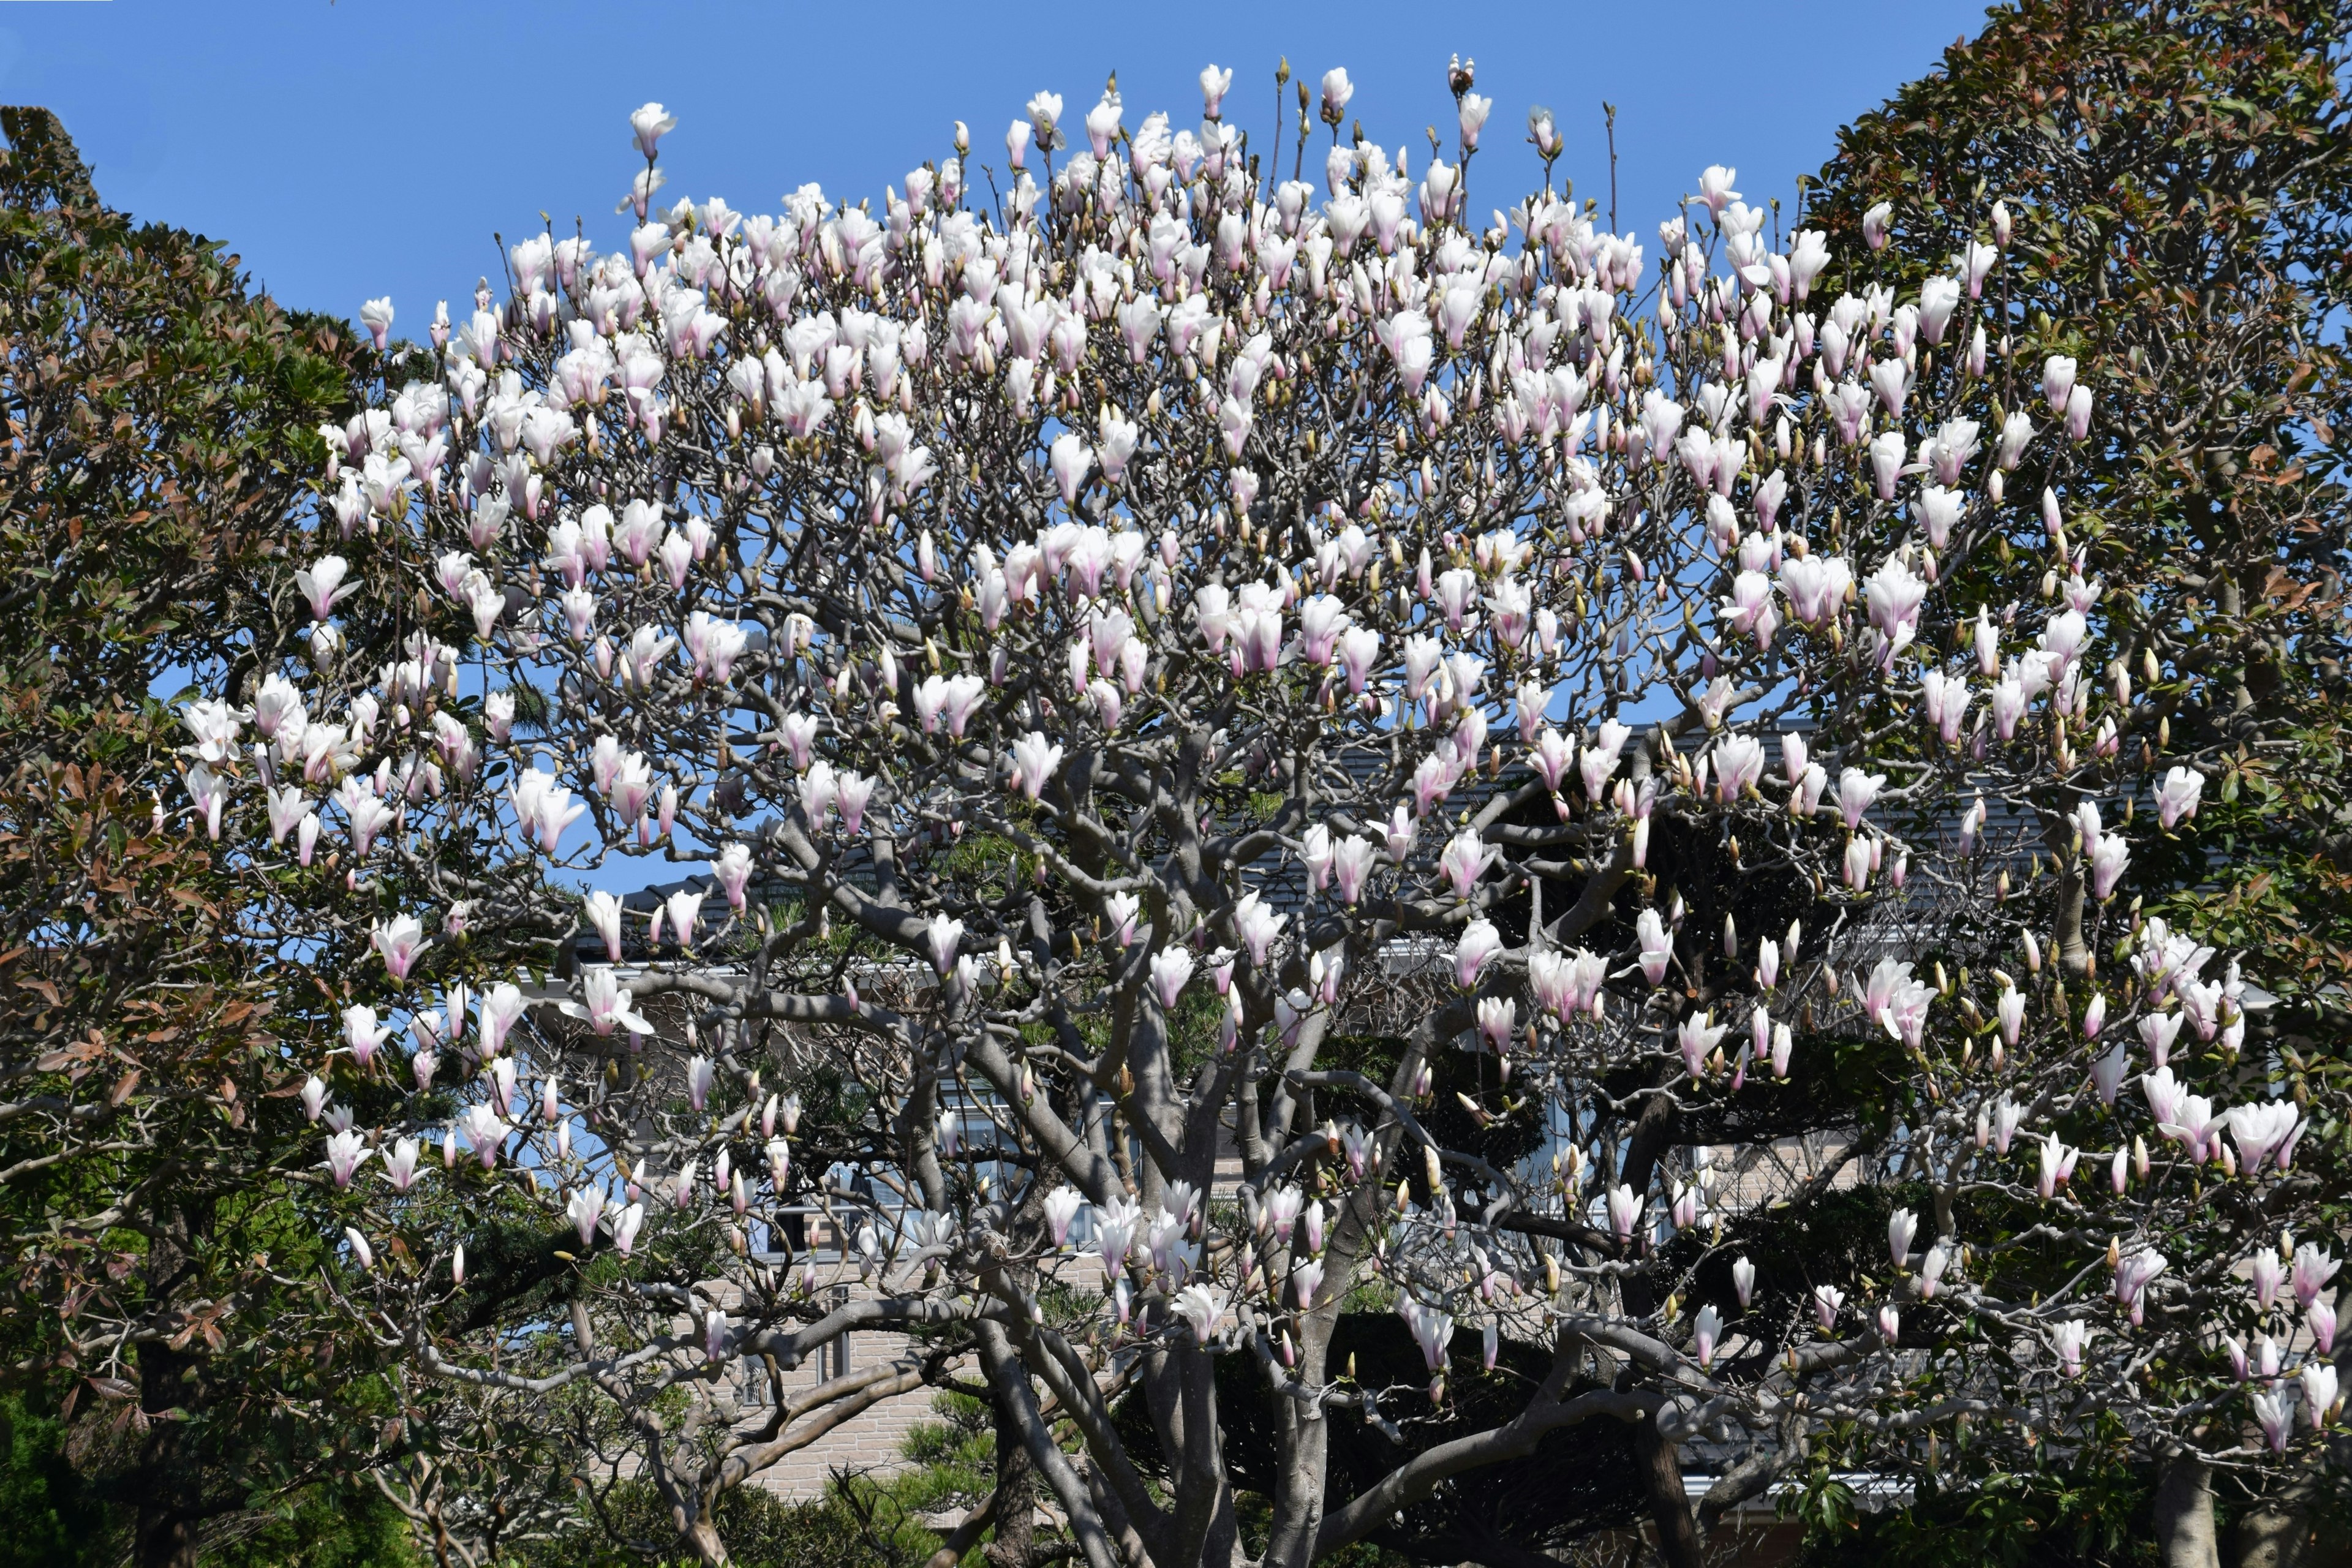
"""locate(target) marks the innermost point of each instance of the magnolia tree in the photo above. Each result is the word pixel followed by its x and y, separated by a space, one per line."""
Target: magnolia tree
pixel 1158 661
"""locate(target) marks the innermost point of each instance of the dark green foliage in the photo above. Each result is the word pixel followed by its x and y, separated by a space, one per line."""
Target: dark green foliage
pixel 2180 172
pixel 47 1512
pixel 859 1522
pixel 2085 1513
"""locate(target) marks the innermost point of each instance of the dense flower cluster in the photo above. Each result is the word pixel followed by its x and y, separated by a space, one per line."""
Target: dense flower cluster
pixel 1102 645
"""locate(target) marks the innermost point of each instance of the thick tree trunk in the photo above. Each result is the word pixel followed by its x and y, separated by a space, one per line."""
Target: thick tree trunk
pixel 708 1550
pixel 1305 1447
pixel 2276 1532
pixel 1661 1468
pixel 166 1537
pixel 2184 1513
pixel 1670 1509
pixel 1016 1495
pixel 165 1532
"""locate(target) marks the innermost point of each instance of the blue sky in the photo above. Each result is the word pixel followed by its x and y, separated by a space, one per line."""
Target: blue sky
pixel 355 149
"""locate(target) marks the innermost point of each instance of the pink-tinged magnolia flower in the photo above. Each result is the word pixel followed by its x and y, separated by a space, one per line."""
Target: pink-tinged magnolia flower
pixel 1306 1280
pixel 2107 1074
pixel 1214 85
pixel 1062 1206
pixel 1683 1206
pixel 1890 1323
pixel 400 1165
pixel 2319 1384
pixel 606 1003
pixel 2133 1273
pixel 1171 971
pixel 2010 1012
pixel 1749 610
pixel 1257 926
pixel 1552 976
pixel 2068 1338
pixel 2262 1131
pixel 2109 859
pixel 942 938
pixel 2176 799
pixel 1124 909
pixel 649 124
pixel 585 1207
pixel 1886 453
pixel 1860 858
pixel 1696 1038
pixel 700 1076
pixel 2275 1413
pixel 1202 1308
pixel 1827 1300
pixel 2078 412
pixel 1463 860
pixel 1944 701
pixel 2268 1273
pixel 1473 110
pixel 2057 1165
pixel 1715 187
pixel 1498 1017
pixel 1472 951
pixel 851 795
pixel 1321 619
pixel 1816 586
pixel 1743 1281
pixel 375 315
pixel 602 912
pixel 624 1223
pixel 501 1005
pixel 362 1034
pixel 361 1252
pixel 1115 1224
pixel 1656 946
pixel 2320 1318
pixel 209 791
pixel 1432 1329
pixel 399 943
pixel 1738 765
pixel 287 805
pixel 1856 792
pixel 732 871
pixel 1705 1330
pixel 2057 382
pixel 2313 1268
pixel 486 1133
pixel 1624 1211
pixel 1351 863
pixel 346 1151
pixel 1337 91
pixel 1901 1227
pixel 1359 648
pixel 1035 760
pixel 214 727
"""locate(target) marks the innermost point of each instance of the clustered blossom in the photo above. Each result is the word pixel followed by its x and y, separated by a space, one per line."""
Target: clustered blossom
pixel 1164 602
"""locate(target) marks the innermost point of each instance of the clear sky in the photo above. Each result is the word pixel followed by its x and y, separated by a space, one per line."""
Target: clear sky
pixel 355 149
